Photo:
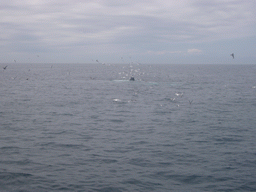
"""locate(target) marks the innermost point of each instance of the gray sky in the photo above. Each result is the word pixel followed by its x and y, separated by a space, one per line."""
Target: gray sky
pixel 123 31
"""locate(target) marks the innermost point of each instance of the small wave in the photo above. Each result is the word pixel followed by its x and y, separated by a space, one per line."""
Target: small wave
pixel 10 175
pixel 109 161
pixel 120 81
pixel 117 100
pixel 120 101
pixel 110 189
pixel 116 120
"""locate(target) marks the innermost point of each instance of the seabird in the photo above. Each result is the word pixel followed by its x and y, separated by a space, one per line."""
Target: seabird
pixel 233 55
pixel 5 67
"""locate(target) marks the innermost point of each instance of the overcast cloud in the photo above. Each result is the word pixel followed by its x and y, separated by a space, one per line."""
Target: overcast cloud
pixel 162 31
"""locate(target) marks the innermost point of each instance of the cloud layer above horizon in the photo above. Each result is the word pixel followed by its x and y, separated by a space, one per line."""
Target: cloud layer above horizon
pixel 164 31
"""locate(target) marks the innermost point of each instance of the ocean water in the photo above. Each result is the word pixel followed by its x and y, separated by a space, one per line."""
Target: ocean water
pixel 81 127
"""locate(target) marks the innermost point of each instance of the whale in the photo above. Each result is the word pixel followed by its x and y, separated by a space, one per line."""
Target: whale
pixel 132 79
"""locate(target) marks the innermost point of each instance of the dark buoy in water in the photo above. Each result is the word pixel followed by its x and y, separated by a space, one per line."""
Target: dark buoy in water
pixel 132 79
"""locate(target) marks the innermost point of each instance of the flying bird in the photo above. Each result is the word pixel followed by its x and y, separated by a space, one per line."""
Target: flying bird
pixel 5 67
pixel 233 55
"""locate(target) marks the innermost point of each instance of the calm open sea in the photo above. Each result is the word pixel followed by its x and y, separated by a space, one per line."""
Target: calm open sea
pixel 81 127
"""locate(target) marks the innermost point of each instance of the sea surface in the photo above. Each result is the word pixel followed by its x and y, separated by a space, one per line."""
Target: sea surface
pixel 86 127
